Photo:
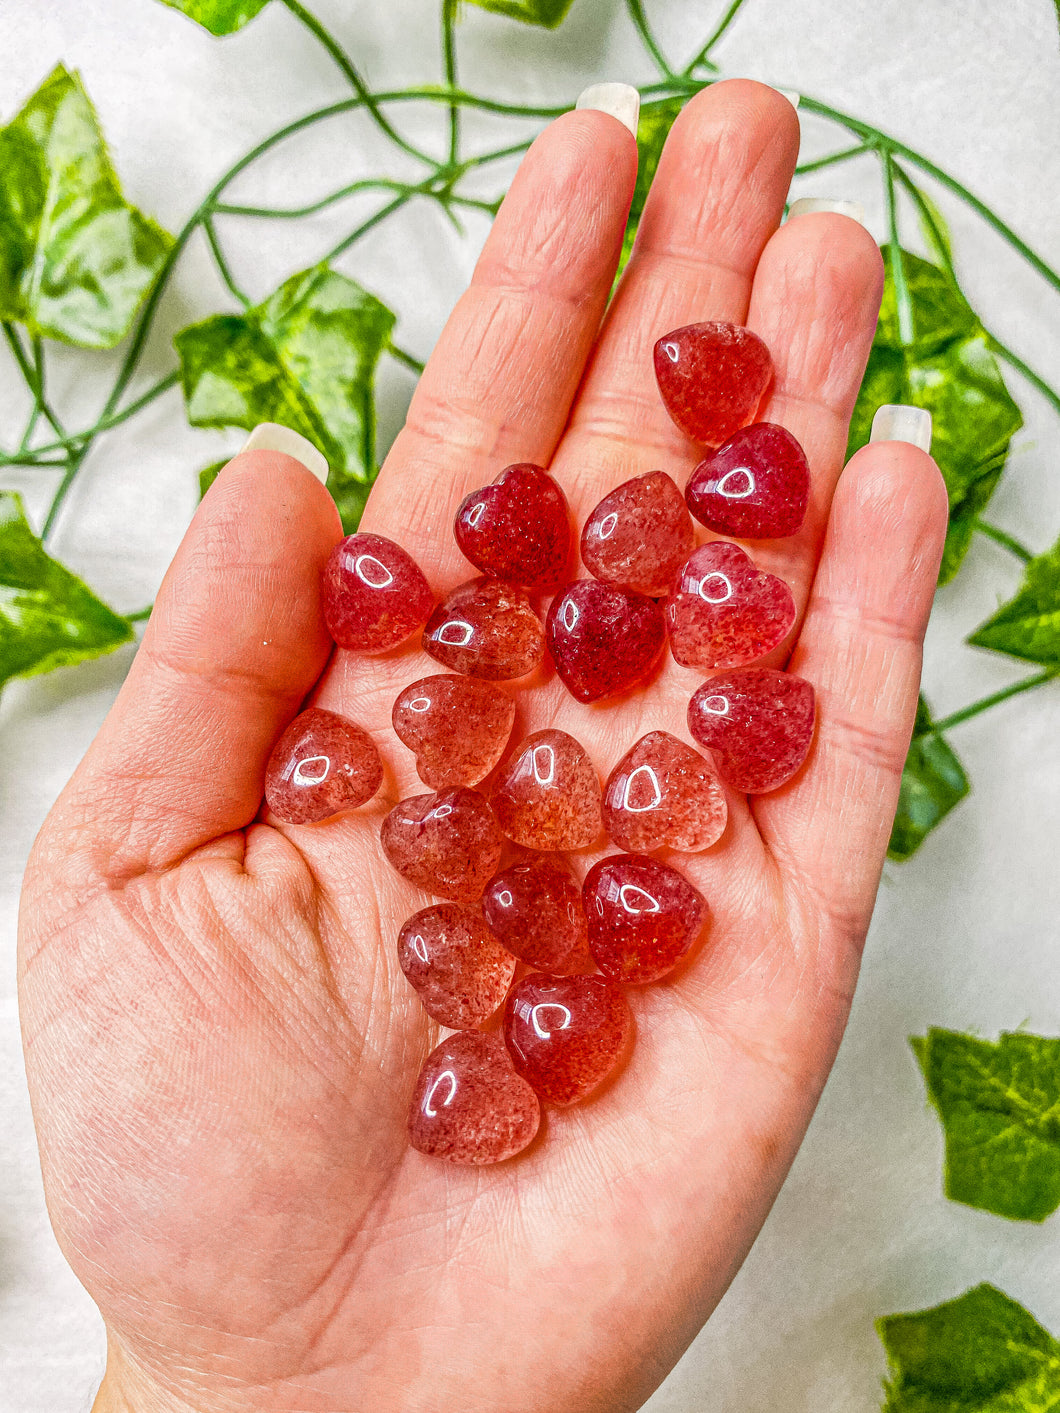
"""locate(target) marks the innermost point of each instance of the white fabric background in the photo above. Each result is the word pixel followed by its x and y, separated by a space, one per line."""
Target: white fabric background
pixel 965 935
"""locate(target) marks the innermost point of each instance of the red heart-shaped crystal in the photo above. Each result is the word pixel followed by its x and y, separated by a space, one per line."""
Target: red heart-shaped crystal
pixel 535 908
pixel 712 378
pixel 457 965
pixel 547 796
pixel 486 629
pixel 643 917
pixel 663 793
pixel 603 640
pixel 448 843
pixel 758 723
pixel 374 594
pixel 566 1034
pixel 469 1104
pixel 517 528
pixel 321 766
pixel 755 486
pixel 723 611
pixel 457 726
pixel 639 535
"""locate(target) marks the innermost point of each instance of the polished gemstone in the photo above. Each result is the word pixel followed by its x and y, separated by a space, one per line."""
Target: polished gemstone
pixel 603 640
pixel 643 917
pixel 486 629
pixel 320 766
pixel 566 1034
pixel 724 612
pixel 375 594
pixel 469 1104
pixel 457 727
pixel 457 965
pixel 712 378
pixel 535 908
pixel 662 793
pixel 447 843
pixel 638 537
pixel 517 528
pixel 755 487
pixel 758 723
pixel 547 796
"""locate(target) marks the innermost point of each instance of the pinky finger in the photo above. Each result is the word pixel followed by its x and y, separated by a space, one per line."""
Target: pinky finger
pixel 861 648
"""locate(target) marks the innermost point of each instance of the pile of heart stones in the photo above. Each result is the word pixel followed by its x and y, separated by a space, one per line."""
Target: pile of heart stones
pixel 494 852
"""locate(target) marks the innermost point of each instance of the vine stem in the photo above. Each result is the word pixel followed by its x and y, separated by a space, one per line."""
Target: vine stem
pixel 346 65
pixel 449 57
pixel 640 20
pixel 26 369
pixel 77 439
pixel 1002 537
pixel 1025 684
pixel 902 297
pixel 703 56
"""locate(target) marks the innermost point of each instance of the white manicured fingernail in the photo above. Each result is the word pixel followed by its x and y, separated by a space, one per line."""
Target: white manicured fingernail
pixel 789 94
pixel 618 99
pixel 897 422
pixel 270 436
pixel 806 205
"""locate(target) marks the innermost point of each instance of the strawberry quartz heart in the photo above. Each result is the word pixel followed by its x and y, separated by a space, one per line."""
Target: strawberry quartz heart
pixel 321 766
pixel 566 1034
pixel 517 528
pixel 755 486
pixel 603 640
pixel 712 378
pixel 638 537
pixel 374 594
pixel 757 723
pixel 470 1105
pixel 455 962
pixel 643 917
pixel 457 726
pixel 723 611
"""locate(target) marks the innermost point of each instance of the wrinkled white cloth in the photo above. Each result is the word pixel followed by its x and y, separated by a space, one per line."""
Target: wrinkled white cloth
pixel 964 936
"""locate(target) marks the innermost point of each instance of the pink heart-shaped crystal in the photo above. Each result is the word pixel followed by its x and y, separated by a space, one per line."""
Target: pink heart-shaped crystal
pixel 458 728
pixel 712 378
pixel 486 629
pixel 469 1104
pixel 662 793
pixel 517 528
pixel 547 796
pixel 755 486
pixel 457 965
pixel 723 611
pixel 448 843
pixel 566 1034
pixel 603 640
pixel 321 766
pixel 643 916
pixel 757 723
pixel 535 908
pixel 638 536
pixel 374 594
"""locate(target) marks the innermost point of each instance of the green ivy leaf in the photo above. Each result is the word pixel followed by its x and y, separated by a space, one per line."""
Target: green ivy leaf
pixel 656 120
pixel 950 370
pixel 306 358
pixel 933 781
pixel 76 259
pixel 980 1353
pixel 1000 1109
pixel 209 474
pixel 219 16
pixel 48 617
pixel 548 13
pixel 1028 626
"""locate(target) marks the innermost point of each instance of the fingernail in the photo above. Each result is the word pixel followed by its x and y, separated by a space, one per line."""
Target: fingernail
pixel 270 436
pixel 896 422
pixel 618 99
pixel 789 94
pixel 808 204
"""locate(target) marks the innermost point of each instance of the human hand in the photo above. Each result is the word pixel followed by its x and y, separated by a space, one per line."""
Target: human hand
pixel 220 1043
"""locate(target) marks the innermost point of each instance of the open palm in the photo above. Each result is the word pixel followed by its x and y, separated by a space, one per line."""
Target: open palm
pixel 220 1042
